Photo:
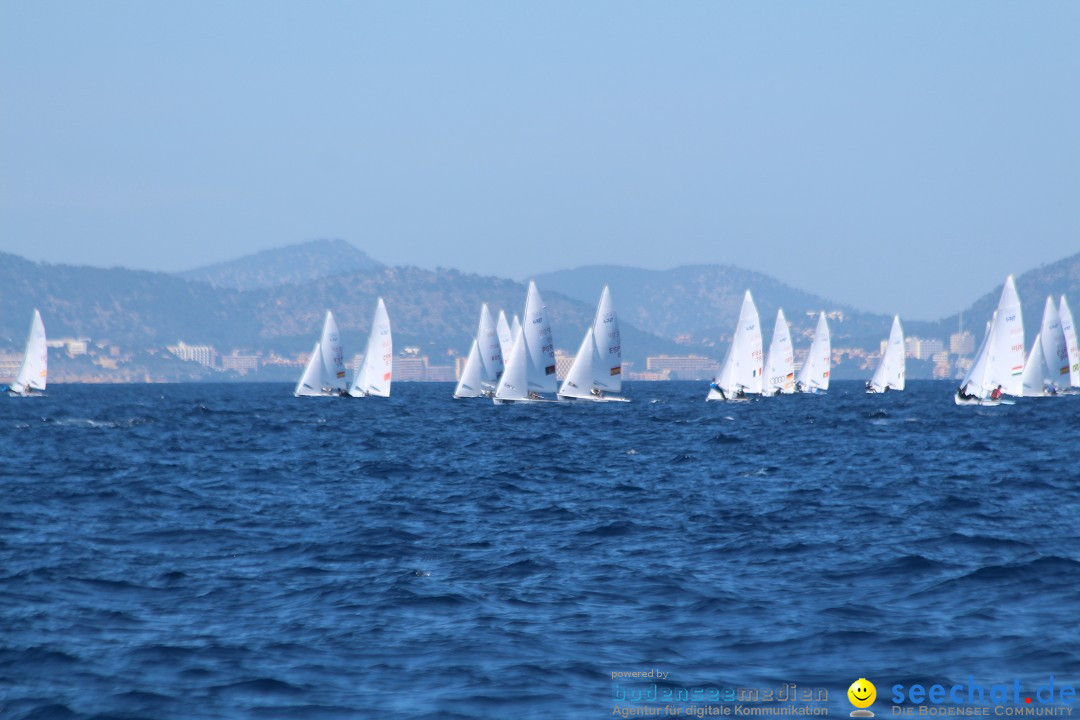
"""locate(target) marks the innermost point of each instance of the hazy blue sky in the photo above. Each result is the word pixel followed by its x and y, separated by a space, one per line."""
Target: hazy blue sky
pixel 900 157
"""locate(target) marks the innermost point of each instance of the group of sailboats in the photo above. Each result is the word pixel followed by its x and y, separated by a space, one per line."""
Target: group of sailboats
pixel 1000 368
pixel 484 365
pixel 516 363
pixel 34 371
pixel 324 375
pixel 742 373
pixel 1053 364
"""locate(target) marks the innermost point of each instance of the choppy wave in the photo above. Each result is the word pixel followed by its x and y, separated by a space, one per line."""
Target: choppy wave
pixel 230 551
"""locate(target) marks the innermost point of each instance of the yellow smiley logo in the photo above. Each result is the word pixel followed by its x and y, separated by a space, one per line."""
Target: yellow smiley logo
pixel 862 693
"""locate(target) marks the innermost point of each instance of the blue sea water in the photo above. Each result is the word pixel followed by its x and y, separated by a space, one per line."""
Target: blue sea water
pixel 229 551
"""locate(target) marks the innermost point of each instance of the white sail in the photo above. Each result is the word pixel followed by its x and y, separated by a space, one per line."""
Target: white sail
pixel 374 377
pixel 597 367
pixel 607 370
pixel 310 384
pixel 779 376
pixel 1069 330
pixel 333 357
pixel 1006 345
pixel 974 383
pixel 514 382
pixel 890 370
pixel 579 380
pixel 515 328
pixel 541 349
pixel 469 385
pixel 506 336
pixel 34 371
pixel 1055 349
pixel 814 374
pixel 741 370
pixel 1034 376
pixel 490 348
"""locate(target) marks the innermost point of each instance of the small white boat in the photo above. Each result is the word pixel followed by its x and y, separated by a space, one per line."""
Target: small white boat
pixel 1033 378
pixel 530 367
pixel 377 369
pixel 779 376
pixel 890 370
pixel 311 382
pixel 33 373
pixel 596 372
pixel 324 375
pixel 999 365
pixel 1068 329
pixel 484 366
pixel 740 374
pixel 814 374
pixel 469 386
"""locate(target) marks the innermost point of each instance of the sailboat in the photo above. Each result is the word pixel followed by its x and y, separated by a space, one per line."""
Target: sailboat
pixel 597 367
pixel 484 366
pixel 779 376
pixel 469 385
pixel 740 374
pixel 1068 328
pixel 375 373
pixel 530 367
pixel 814 373
pixel 506 336
pixel 977 372
pixel 1047 368
pixel 1034 377
pixel 890 371
pixel 999 364
pixel 324 374
pixel 35 366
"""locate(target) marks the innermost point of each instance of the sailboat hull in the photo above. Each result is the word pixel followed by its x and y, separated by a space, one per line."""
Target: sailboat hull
pixel 522 401
pixel 593 398
pixel 481 394
pixel 357 393
pixel 985 402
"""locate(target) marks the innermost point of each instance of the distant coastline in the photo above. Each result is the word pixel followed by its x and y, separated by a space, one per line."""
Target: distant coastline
pixel 253 318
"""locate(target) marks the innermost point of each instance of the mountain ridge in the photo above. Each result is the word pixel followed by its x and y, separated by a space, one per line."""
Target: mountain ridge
pixel 292 264
pixel 435 310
